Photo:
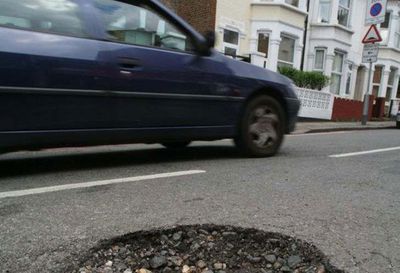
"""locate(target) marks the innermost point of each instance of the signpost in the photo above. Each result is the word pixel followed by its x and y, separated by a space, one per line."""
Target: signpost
pixel 376 10
pixel 370 53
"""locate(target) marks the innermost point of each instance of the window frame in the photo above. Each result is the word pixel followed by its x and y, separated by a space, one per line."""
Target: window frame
pixel 390 13
pixel 268 34
pixel 324 49
pixel 225 45
pixel 338 73
pixel 349 79
pixel 298 3
pixel 348 10
pixel 288 36
pixel 82 15
pixel 319 11
pixel 102 32
pixel 396 34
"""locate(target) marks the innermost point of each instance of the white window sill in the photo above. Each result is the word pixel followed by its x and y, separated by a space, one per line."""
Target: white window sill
pixel 333 25
pixel 284 5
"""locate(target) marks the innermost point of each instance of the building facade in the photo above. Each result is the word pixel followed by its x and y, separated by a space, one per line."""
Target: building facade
pixel 313 35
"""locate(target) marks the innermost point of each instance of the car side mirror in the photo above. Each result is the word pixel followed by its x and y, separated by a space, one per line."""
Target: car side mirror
pixel 207 44
pixel 210 39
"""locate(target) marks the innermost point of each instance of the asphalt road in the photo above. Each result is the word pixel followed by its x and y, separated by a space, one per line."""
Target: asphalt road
pixel 347 206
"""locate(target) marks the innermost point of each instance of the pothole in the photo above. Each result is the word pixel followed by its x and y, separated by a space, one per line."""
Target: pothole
pixel 205 249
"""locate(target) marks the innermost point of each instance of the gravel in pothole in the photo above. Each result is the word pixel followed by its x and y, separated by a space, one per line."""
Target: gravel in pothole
pixel 205 249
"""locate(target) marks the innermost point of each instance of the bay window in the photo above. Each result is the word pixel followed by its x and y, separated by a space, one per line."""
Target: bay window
pixel 286 51
pixel 292 2
pixel 337 73
pixel 324 11
pixel 384 29
pixel 344 12
pixel 231 42
pixel 348 80
pixel 263 44
pixel 319 61
pixel 397 35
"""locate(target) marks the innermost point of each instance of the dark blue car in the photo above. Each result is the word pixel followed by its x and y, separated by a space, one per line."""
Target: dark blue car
pixel 94 72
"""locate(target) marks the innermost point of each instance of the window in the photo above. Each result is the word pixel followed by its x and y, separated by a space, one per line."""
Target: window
pixel 286 51
pixel 231 42
pixel 319 62
pixel 337 70
pixel 397 35
pixel 292 2
pixel 344 12
pixel 263 43
pixel 131 24
pixel 54 16
pixel 389 89
pixel 348 80
pixel 386 23
pixel 324 11
pixel 384 30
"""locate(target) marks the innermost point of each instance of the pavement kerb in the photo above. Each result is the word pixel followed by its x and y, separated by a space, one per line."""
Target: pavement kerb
pixel 327 130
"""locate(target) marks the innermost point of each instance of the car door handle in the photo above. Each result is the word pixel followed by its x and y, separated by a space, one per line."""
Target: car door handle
pixel 129 63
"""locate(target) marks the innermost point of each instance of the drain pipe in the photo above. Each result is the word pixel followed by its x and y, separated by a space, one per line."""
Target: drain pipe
pixel 305 34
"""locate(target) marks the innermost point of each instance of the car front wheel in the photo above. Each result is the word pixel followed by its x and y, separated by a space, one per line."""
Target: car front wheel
pixel 262 127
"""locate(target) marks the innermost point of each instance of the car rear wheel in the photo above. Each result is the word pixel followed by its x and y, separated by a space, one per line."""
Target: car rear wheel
pixel 176 144
pixel 262 127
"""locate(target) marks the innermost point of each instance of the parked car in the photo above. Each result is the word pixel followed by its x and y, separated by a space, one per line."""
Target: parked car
pixel 94 72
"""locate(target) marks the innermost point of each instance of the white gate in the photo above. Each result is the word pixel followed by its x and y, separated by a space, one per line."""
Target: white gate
pixel 315 104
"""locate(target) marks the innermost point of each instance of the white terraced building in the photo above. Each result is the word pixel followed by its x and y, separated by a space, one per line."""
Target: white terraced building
pixel 313 35
pixel 275 33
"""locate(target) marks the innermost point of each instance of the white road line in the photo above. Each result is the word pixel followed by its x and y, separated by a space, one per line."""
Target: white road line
pixel 96 183
pixel 320 134
pixel 366 152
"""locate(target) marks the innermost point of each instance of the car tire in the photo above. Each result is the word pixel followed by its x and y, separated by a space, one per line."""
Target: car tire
pixel 398 124
pixel 176 144
pixel 261 128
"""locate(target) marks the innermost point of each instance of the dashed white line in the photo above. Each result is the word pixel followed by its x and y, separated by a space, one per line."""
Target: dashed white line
pixel 96 183
pixel 366 152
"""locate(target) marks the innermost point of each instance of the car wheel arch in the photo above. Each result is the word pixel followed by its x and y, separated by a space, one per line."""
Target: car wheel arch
pixel 269 91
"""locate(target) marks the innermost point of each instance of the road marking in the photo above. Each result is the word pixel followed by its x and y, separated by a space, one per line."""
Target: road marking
pixel 320 134
pixel 96 183
pixel 366 152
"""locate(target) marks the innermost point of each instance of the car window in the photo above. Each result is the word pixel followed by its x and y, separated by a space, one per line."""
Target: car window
pixel 135 25
pixel 55 16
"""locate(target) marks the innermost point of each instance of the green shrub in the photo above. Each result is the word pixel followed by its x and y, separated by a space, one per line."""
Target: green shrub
pixel 305 79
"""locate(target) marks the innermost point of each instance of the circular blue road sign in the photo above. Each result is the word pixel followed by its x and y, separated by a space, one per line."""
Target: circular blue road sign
pixel 376 9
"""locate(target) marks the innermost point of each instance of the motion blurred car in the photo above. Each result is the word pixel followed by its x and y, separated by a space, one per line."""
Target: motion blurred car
pixel 398 120
pixel 94 72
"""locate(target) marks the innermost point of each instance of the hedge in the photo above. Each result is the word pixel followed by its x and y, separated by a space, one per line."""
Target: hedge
pixel 305 79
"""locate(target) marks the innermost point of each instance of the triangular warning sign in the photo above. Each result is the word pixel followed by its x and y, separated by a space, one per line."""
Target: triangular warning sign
pixel 372 36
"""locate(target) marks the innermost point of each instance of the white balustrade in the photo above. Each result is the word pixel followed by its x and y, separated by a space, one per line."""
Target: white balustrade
pixel 395 107
pixel 315 104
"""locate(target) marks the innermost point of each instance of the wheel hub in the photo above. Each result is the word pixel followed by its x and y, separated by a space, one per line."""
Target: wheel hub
pixel 263 128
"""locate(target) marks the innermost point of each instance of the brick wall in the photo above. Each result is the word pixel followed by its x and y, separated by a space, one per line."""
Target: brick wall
pixel 199 13
pixel 350 110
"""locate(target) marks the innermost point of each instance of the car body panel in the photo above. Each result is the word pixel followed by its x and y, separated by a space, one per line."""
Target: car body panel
pixel 58 90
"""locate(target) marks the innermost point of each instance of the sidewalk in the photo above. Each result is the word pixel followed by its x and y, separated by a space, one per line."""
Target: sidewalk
pixel 330 126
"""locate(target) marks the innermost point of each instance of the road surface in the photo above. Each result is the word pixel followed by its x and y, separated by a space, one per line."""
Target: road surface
pixel 339 191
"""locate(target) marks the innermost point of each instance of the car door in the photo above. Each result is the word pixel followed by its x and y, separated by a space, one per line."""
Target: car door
pixel 50 66
pixel 155 71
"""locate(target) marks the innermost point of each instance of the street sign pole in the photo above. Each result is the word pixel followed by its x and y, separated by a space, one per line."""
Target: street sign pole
pixel 376 11
pixel 366 97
